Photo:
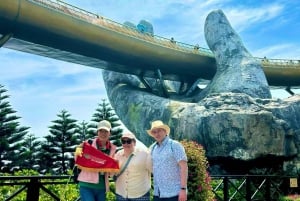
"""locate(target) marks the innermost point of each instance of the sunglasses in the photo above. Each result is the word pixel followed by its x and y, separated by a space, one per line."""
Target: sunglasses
pixel 126 141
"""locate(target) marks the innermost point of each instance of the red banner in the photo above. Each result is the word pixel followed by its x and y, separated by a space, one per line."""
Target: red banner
pixel 94 160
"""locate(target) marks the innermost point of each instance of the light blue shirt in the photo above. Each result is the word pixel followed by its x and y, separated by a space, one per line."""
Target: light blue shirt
pixel 166 171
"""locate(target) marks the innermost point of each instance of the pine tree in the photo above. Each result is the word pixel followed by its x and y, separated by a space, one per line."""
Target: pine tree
pixel 45 158
pixel 11 135
pixel 84 128
pixel 30 152
pixel 106 112
pixel 61 142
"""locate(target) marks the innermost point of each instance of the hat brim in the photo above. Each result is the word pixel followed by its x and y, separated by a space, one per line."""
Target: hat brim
pixel 104 128
pixel 165 127
pixel 132 138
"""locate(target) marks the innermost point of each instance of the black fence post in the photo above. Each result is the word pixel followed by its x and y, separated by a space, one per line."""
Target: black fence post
pixel 33 190
pixel 248 189
pixel 226 189
pixel 268 189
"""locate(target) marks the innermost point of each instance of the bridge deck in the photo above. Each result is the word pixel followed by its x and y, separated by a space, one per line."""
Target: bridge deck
pixel 61 31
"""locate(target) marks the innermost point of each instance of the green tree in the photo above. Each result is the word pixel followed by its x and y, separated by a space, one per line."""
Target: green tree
pixel 45 157
pixel 61 142
pixel 30 153
pixel 106 112
pixel 84 128
pixel 11 135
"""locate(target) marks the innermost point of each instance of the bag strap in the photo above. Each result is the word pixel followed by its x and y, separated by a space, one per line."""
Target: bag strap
pixel 125 166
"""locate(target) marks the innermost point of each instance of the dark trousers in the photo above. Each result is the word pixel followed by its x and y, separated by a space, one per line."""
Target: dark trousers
pixel 156 198
pixel 145 197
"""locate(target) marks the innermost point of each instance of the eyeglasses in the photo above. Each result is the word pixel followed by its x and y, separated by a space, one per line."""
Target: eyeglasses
pixel 126 141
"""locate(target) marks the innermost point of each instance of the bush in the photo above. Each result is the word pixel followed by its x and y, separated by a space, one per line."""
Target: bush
pixel 199 187
pixel 290 198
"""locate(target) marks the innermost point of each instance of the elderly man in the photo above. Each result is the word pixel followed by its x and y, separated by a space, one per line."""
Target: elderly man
pixel 170 168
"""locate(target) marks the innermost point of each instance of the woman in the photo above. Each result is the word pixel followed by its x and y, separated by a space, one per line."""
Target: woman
pixel 94 185
pixel 134 183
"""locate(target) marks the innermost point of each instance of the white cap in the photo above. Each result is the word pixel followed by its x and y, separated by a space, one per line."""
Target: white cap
pixel 105 125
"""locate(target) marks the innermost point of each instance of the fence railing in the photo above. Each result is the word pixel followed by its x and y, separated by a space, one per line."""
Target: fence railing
pixel 32 186
pixel 225 187
pixel 253 187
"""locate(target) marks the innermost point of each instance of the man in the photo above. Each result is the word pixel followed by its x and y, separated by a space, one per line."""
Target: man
pixel 134 182
pixel 94 185
pixel 169 165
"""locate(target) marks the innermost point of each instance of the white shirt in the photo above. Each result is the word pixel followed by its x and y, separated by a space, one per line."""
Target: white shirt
pixel 135 181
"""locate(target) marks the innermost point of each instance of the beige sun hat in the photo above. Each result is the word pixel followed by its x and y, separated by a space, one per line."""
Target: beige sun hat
pixel 129 136
pixel 158 124
pixel 105 125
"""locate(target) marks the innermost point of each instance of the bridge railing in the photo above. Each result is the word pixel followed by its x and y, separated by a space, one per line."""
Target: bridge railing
pixel 122 28
pixel 279 63
pixel 150 38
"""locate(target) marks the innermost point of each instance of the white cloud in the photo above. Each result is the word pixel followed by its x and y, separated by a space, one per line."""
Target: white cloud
pixel 280 51
pixel 242 18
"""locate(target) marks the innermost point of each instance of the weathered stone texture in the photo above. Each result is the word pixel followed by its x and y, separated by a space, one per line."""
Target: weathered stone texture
pixel 234 117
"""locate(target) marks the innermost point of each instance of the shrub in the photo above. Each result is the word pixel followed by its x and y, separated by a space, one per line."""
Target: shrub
pixel 199 187
pixel 290 198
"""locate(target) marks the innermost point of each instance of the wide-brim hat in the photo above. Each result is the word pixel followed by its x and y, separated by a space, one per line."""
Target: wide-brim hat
pixel 158 124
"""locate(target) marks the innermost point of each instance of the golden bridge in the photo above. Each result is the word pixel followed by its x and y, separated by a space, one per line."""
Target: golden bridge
pixel 58 30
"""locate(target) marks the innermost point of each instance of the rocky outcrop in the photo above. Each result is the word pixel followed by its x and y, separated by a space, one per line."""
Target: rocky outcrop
pixel 234 117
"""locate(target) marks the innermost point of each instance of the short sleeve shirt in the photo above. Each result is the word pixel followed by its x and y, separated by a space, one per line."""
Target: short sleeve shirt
pixel 166 170
pixel 136 179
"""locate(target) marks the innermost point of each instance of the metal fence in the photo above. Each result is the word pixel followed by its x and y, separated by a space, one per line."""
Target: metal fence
pixel 253 187
pixel 225 187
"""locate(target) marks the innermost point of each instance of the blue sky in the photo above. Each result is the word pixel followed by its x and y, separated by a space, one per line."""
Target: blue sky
pixel 40 87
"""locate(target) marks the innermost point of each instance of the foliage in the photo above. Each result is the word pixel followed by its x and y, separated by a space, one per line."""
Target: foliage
pixel 290 198
pixel 6 191
pixel 61 143
pixel 54 152
pixel 110 196
pixel 11 135
pixel 30 152
pixel 67 192
pixel 83 128
pixel 106 112
pixel 199 187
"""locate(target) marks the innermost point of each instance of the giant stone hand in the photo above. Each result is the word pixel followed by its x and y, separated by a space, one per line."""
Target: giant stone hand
pixel 233 117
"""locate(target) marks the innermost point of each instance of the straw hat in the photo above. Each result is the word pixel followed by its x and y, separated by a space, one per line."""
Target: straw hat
pixel 158 124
